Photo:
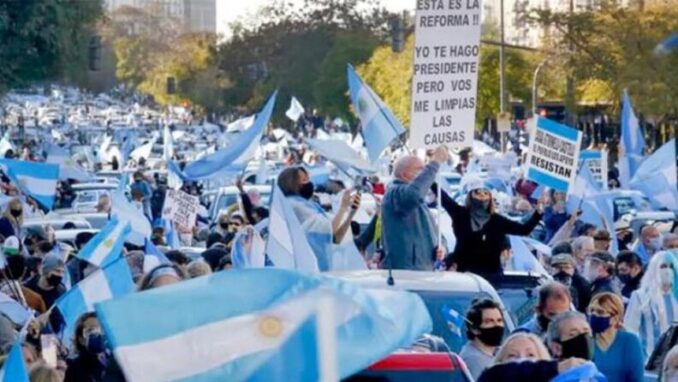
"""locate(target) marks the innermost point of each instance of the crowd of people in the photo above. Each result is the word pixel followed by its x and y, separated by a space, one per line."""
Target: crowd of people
pixel 603 314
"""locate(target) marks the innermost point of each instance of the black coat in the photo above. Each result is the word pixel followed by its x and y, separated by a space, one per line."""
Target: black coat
pixel 478 252
pixel 84 368
pixel 524 371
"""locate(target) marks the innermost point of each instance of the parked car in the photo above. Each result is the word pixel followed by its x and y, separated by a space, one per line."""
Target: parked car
pixel 406 367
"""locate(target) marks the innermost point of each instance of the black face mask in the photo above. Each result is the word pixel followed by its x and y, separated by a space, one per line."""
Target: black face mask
pixel 563 278
pixel 306 190
pixel 543 322
pixel 54 280
pixel 624 278
pixel 491 336
pixel 224 225
pixel 16 213
pixel 580 346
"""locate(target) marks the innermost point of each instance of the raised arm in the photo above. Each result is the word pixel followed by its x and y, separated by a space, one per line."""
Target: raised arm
pixel 521 229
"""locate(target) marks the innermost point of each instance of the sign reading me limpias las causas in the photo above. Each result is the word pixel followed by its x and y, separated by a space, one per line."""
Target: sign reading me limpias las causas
pixel 445 78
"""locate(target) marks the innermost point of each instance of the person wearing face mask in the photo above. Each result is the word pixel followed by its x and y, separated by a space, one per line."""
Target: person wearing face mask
pixel 480 230
pixel 12 219
pixel 141 186
pixel 484 330
pixel 582 247
pixel 618 353
pixel 564 271
pixel 554 298
pixel 629 272
pixel 650 243
pixel 653 307
pixel 48 284
pixel 599 271
pixel 295 183
pixel 92 356
pixel 523 357
pixel 569 336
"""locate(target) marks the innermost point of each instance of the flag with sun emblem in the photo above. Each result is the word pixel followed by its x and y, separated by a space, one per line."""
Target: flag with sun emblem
pixel 106 246
pixel 263 330
pixel 379 126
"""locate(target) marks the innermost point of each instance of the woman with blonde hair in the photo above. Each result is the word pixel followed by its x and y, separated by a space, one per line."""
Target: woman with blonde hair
pixel 617 354
pixel 524 357
pixel 12 219
pixel 41 372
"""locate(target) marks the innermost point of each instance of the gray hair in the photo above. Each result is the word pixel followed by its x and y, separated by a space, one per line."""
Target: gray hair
pixel 402 164
pixel 553 333
pixel 578 243
pixel 668 237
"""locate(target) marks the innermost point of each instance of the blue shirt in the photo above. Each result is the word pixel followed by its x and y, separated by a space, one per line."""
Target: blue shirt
pixel 623 361
pixel 668 303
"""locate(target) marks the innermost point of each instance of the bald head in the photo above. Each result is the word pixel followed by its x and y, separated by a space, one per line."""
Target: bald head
pixel 407 168
pixel 648 233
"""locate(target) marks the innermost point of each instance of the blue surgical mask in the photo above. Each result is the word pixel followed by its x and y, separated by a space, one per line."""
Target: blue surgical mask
pixel 656 243
pixel 599 324
pixel 95 342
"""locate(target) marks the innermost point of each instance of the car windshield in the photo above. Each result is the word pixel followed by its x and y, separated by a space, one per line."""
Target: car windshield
pixel 86 197
pixel 447 310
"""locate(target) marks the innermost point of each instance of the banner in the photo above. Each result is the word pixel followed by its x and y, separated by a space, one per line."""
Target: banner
pixel 445 80
pixel 180 208
pixel 553 155
pixel 596 161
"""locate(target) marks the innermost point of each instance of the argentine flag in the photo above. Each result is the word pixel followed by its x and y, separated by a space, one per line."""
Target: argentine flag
pixel 656 177
pixel 112 281
pixel 342 155
pixel 632 141
pixel 68 168
pixel 37 180
pixel 14 369
pixel 234 158
pixel 126 212
pixel 379 126
pixel 256 331
pixel 106 246
pixel 287 245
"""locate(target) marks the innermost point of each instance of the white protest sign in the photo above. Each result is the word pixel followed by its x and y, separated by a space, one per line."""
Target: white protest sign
pixel 445 78
pixel 181 208
pixel 553 156
pixel 596 160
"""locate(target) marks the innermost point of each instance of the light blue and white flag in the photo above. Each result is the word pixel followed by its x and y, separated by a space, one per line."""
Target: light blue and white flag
pixel 37 180
pixel 112 281
pixel 168 144
pixel 342 155
pixel 287 246
pixel 667 45
pixel 318 174
pixel 295 111
pixel 596 161
pixel 235 333
pixel 656 177
pixel 153 257
pixel 68 168
pixel 584 186
pixel 632 142
pixel 248 249
pixel 125 211
pixel 379 126
pixel 523 259
pixel 14 369
pixel 143 151
pixel 233 159
pixel 106 246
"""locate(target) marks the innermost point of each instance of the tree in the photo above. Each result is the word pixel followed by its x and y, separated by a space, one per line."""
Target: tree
pixel 612 49
pixel 45 40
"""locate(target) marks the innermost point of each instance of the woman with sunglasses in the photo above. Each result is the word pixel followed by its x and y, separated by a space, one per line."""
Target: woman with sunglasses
pixel 481 231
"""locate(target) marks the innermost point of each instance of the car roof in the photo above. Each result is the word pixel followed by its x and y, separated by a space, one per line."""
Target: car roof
pixel 70 234
pixel 247 187
pixel 419 280
pixel 94 186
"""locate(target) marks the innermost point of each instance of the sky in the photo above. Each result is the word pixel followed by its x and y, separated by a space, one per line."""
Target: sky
pixel 237 8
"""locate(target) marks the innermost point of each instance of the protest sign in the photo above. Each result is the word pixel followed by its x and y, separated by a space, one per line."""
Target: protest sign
pixel 596 160
pixel 445 79
pixel 180 208
pixel 553 155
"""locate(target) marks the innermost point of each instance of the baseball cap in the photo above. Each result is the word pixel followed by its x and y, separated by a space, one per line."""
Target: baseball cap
pixel 562 258
pixel 50 263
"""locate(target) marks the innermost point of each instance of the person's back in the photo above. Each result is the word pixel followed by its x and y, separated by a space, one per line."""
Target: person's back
pixel 409 234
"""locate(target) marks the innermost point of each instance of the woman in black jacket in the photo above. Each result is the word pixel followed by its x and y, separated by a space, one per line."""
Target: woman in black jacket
pixel 90 363
pixel 481 231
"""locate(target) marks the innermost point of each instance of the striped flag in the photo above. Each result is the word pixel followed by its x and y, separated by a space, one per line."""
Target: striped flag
pixel 14 369
pixel 106 246
pixel 37 180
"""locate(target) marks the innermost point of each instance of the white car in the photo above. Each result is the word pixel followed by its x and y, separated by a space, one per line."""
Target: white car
pixel 228 196
pixel 87 194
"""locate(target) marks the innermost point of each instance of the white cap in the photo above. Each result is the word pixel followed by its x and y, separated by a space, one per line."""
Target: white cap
pixel 11 245
pixel 474 182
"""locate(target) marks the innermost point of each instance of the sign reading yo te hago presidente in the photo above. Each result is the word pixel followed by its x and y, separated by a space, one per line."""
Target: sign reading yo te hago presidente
pixel 445 78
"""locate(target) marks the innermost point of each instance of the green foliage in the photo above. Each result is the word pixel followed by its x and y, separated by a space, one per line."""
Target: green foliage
pixel 45 40
pixel 613 50
pixel 302 52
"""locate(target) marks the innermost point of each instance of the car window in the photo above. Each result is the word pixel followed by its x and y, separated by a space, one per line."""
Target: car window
pixel 520 304
pixel 447 310
pixel 86 197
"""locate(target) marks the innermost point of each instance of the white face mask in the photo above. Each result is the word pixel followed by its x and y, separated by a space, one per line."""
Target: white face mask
pixel 666 276
pixel 590 271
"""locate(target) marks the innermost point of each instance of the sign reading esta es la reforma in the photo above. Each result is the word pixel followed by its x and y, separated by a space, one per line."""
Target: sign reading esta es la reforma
pixel 445 78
